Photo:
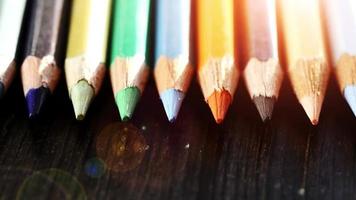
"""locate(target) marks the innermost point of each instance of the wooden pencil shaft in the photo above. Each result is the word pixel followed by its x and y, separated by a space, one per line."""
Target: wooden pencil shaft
pixel 346 70
pixel 130 28
pixel 129 44
pixel 11 20
pixel 215 30
pixel 302 30
pixel 89 27
pixel 45 30
pixel 340 20
pixel 263 73
pixel 173 68
pixel 263 78
pixel 173 74
pixel 11 17
pixel 261 29
pixel 216 46
pixel 173 29
pixel 306 52
pixel 87 43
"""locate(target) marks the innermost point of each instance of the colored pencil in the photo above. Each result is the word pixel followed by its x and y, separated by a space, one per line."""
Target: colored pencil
pixel 129 70
pixel 306 55
pixel 217 67
pixel 43 50
pixel 86 52
pixel 11 17
pixel 340 18
pixel 173 69
pixel 263 73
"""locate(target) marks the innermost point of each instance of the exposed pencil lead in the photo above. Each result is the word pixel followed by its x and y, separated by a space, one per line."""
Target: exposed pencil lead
pixel 172 101
pixel 264 106
pixel 2 90
pixel 36 99
pixel 219 103
pixel 312 106
pixel 126 100
pixel 81 94
pixel 350 96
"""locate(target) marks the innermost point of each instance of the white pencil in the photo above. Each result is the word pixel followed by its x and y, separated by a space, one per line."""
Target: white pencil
pixel 11 16
pixel 340 18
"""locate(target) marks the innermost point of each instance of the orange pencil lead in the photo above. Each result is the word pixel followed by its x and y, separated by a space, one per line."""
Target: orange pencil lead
pixel 219 102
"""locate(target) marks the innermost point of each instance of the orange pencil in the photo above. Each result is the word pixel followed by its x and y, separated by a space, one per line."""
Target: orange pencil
pixel 306 55
pixel 217 69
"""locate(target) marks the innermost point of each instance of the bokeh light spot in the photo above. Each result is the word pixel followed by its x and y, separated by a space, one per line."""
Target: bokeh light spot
pixel 121 147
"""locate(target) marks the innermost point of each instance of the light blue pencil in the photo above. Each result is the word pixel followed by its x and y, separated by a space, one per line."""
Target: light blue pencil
pixel 173 70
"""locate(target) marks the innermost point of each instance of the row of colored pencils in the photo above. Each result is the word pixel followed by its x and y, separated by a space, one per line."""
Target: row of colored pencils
pixel 301 31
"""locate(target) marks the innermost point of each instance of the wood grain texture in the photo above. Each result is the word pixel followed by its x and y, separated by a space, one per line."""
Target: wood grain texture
pixel 193 159
pixel 309 79
pixel 218 74
pixel 173 73
pixel 263 78
pixel 346 70
pixel 129 72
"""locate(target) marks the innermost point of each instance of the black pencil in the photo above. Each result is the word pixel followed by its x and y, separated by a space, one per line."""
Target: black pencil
pixel 44 50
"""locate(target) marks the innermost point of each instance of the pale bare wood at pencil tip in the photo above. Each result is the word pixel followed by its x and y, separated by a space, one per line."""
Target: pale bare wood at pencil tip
pixel 37 72
pixel 136 73
pixel 263 73
pixel 173 73
pixel 80 68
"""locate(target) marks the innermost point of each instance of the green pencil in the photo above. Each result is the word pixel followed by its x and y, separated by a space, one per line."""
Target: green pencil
pixel 128 70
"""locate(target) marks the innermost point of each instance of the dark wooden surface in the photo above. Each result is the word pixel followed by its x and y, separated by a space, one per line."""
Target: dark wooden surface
pixel 194 158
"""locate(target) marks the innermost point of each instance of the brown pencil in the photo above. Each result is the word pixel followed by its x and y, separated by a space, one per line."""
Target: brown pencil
pixel 263 73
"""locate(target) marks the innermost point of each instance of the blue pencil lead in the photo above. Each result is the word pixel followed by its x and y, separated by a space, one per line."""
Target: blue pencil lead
pixel 172 100
pixel 350 96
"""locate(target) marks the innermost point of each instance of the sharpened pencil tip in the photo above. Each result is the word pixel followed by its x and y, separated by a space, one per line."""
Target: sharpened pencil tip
pixel 312 107
pixel 36 99
pixel 126 101
pixel 219 103
pixel 2 90
pixel 264 106
pixel 314 122
pixel 172 101
pixel 81 94
pixel 350 96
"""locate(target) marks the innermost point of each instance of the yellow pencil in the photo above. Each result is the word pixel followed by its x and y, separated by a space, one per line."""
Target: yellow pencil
pixel 86 53
pixel 305 47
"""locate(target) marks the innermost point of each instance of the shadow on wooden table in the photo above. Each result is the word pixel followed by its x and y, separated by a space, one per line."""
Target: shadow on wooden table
pixel 194 158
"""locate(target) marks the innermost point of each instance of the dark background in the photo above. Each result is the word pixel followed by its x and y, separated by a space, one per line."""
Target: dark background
pixel 194 158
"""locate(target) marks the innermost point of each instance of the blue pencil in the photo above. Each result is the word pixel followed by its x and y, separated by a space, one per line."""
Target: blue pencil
pixel 173 70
